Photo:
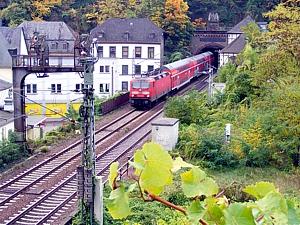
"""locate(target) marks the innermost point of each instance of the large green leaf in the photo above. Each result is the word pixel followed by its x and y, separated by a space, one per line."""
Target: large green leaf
pixel 260 189
pixel 214 213
pixel 113 173
pixel 154 168
pixel 195 212
pixel 196 183
pixel 178 163
pixel 118 203
pixel 238 214
pixel 293 214
pixel 273 201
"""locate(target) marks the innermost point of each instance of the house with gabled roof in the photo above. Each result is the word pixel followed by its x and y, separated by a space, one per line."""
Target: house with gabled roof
pixel 236 41
pixel 125 48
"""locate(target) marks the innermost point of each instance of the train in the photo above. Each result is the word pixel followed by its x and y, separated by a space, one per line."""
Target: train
pixel 147 89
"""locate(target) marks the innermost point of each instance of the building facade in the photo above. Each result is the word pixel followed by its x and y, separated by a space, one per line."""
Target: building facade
pixel 236 41
pixel 125 48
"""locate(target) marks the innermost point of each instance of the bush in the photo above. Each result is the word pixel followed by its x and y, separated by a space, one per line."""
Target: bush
pixel 205 145
pixel 10 152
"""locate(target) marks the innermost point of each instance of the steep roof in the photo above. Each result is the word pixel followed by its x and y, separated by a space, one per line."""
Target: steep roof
pixel 57 34
pixel 133 30
pixel 5 58
pixel 236 46
pixel 4 85
pixel 243 23
pixel 12 36
pixel 52 29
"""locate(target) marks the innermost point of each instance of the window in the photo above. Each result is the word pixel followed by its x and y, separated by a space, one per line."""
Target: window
pixel 54 45
pixel 104 88
pixel 34 88
pixel 55 88
pixel 65 46
pixel 28 88
pixel 124 85
pixel 137 69
pixel 112 52
pixel 58 88
pixel 151 52
pixel 140 84
pixel 101 69
pixel 100 51
pixel 124 69
pixel 138 52
pixel 124 52
pixel 104 68
pixel 79 87
pixel 31 88
pixel 150 68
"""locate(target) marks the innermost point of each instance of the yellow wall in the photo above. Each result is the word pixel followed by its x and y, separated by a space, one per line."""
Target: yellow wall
pixel 61 108
pixel 33 109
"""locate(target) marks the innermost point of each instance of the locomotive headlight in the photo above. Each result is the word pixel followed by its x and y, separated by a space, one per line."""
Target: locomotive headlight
pixel 148 96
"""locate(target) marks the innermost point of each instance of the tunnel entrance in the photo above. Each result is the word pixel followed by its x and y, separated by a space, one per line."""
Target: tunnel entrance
pixel 213 49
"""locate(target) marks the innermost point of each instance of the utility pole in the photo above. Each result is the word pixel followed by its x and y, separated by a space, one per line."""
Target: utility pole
pixel 210 73
pixel 86 171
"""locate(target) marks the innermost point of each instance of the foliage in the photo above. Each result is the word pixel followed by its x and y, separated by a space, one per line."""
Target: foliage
pixel 285 28
pixel 10 152
pixel 176 23
pixel 207 205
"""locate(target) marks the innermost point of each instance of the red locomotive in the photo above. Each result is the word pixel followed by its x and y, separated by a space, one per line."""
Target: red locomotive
pixel 146 90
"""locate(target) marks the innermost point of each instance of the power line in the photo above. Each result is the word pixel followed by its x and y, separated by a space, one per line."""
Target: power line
pixel 71 120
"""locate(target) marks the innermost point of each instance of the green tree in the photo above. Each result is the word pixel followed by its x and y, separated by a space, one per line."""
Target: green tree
pixel 284 28
pixel 176 23
pixel 105 9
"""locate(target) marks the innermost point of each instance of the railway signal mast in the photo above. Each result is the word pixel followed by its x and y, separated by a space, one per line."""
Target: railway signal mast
pixel 86 171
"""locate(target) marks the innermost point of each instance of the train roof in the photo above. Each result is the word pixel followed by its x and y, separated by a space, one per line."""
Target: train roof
pixel 183 62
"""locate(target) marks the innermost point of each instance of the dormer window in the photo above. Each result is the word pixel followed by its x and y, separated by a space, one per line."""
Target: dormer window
pixel 101 34
pixel 126 36
pixel 65 46
pixel 152 35
pixel 54 45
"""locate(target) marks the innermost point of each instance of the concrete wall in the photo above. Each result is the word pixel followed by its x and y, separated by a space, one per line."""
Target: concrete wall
pixel 5 129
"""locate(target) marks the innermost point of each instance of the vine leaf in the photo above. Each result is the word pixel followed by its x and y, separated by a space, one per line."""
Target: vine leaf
pixel 178 163
pixel 237 214
pixel 154 165
pixel 214 213
pixel 196 183
pixel 118 203
pixel 195 212
pixel 293 213
pixel 260 189
pixel 273 201
pixel 113 173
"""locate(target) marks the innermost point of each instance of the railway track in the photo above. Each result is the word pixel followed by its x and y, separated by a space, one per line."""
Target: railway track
pixel 29 181
pixel 44 209
pixel 51 204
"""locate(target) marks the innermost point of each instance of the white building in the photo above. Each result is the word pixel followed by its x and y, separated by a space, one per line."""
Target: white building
pixel 55 91
pixel 125 48
pixel 236 41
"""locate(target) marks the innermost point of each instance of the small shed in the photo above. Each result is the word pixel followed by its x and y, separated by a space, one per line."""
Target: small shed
pixel 165 132
pixel 35 127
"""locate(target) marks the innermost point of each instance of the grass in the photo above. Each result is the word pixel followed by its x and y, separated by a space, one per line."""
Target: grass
pixel 234 180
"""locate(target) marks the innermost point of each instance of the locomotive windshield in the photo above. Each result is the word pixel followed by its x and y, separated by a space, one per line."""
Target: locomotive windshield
pixel 140 84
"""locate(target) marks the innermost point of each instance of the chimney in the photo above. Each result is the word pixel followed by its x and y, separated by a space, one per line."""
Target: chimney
pixel 8 105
